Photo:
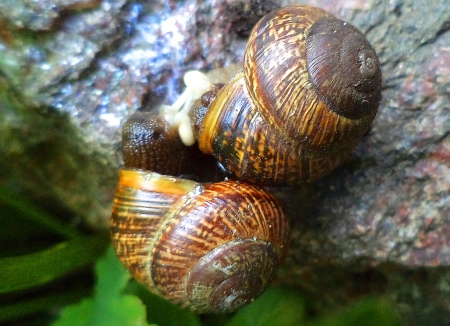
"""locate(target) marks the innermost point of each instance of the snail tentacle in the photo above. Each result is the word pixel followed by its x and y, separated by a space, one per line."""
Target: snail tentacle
pixel 176 114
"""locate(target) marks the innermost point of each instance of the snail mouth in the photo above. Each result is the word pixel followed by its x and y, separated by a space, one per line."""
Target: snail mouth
pixel 231 275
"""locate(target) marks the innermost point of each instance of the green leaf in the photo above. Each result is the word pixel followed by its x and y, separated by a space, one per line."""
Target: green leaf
pixel 367 312
pixel 27 271
pixel 279 306
pixel 108 306
pixel 78 314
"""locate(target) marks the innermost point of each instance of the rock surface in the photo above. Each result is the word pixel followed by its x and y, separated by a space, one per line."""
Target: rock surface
pixel 380 224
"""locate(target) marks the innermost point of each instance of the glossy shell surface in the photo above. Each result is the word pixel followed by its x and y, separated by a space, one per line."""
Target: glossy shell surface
pixel 211 248
pixel 310 88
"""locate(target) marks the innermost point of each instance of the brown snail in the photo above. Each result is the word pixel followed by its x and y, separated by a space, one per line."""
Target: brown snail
pixel 207 247
pixel 210 248
pixel 309 90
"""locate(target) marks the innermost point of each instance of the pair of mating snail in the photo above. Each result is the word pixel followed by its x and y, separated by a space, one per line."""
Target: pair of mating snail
pixel 308 91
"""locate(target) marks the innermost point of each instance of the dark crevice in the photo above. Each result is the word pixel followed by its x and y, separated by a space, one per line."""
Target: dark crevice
pixel 444 28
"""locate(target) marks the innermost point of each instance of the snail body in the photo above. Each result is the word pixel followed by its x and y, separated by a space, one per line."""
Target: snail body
pixel 211 248
pixel 148 142
pixel 309 89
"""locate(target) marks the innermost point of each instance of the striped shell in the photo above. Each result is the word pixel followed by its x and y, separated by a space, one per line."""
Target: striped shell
pixel 209 248
pixel 310 88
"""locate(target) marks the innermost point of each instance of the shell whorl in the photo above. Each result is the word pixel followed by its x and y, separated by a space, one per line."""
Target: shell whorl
pixel 348 78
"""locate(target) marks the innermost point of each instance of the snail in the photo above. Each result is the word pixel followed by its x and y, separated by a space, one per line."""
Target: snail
pixel 309 89
pixel 211 248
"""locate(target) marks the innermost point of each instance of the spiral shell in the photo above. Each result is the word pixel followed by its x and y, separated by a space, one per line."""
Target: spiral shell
pixel 310 87
pixel 210 248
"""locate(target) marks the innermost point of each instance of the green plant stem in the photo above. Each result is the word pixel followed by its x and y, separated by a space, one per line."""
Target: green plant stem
pixel 36 214
pixel 27 271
